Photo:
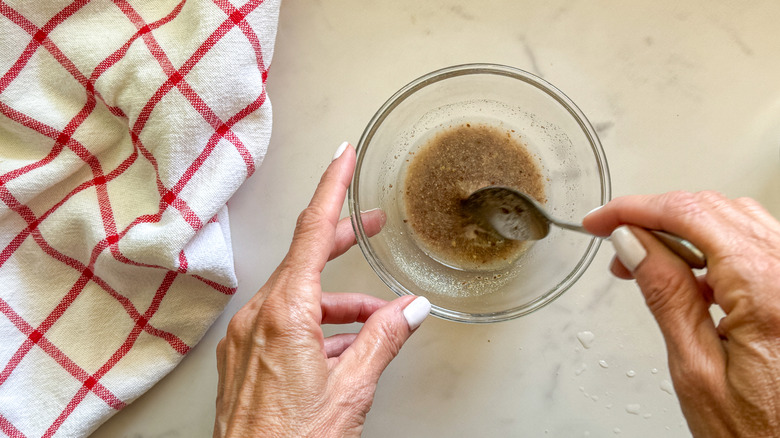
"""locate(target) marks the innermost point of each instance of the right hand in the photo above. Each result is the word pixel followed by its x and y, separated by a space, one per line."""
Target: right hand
pixel 727 377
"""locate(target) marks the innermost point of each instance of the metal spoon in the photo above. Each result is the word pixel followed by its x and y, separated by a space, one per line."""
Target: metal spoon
pixel 515 215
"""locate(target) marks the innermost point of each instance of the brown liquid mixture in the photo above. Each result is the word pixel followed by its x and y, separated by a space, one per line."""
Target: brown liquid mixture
pixel 445 171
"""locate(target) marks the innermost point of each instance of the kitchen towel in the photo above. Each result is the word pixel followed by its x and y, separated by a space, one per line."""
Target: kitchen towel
pixel 125 126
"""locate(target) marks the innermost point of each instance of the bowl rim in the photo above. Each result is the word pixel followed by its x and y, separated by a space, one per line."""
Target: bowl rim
pixel 462 70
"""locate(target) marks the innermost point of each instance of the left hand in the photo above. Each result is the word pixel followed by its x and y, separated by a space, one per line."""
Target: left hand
pixel 278 375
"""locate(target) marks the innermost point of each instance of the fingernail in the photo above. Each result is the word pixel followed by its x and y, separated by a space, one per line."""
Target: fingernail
pixel 382 215
pixel 340 150
pixel 628 248
pixel 595 210
pixel 416 312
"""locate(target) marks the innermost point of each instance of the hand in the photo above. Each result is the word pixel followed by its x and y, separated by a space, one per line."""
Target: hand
pixel 278 375
pixel 726 377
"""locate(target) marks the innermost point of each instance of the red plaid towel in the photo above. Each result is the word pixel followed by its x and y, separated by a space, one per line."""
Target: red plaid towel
pixel 124 129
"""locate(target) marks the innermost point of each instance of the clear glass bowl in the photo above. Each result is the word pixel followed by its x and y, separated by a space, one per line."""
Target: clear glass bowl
pixel 552 128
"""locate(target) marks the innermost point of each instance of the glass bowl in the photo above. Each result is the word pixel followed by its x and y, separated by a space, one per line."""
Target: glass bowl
pixel 553 130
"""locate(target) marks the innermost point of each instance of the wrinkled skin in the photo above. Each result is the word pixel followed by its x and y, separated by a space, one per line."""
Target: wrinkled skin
pixel 727 376
pixel 278 375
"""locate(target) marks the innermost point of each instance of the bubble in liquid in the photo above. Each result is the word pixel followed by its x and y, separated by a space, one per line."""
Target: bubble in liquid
pixel 586 338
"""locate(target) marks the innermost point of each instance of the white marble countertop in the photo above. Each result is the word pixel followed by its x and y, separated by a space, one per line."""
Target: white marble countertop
pixel 684 95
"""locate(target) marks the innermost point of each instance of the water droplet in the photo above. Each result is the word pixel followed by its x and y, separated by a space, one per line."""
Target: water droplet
pixel 654 371
pixel 609 406
pixel 646 416
pixel 633 408
pixel 603 364
pixel 581 369
pixel 666 386
pixel 594 398
pixel 616 430
pixel 586 338
pixel 631 373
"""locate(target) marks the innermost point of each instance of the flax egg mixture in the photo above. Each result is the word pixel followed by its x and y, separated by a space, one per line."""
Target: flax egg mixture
pixel 445 171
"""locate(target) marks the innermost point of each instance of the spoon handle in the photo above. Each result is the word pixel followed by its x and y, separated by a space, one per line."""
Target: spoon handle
pixel 570 226
pixel 683 248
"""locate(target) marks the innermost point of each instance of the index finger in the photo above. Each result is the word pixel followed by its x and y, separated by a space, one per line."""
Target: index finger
pixel 692 216
pixel 315 231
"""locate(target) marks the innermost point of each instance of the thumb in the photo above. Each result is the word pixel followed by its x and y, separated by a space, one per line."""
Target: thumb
pixel 383 335
pixel 674 296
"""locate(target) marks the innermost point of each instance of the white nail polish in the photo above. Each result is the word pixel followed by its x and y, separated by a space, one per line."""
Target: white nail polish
pixel 595 210
pixel 629 249
pixel 340 150
pixel 416 312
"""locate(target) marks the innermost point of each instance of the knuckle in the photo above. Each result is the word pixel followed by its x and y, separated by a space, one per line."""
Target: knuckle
pixel 287 320
pixel 687 206
pixel 659 292
pixel 275 315
pixel 717 202
pixel 391 336
pixel 750 207
pixel 747 203
pixel 679 200
pixel 679 197
pixel 311 216
pixel 239 327
pixel 711 196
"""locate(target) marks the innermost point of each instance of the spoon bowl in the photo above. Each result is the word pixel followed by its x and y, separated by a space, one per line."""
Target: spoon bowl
pixel 515 215
pixel 509 213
